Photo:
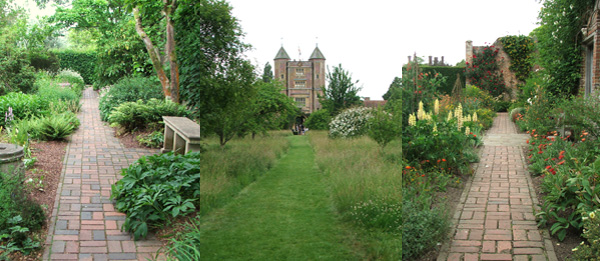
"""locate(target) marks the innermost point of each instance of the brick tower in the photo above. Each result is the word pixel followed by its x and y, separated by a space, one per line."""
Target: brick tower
pixel 303 80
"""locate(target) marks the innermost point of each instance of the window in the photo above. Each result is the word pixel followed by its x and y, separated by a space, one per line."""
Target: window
pixel 300 102
pixel 299 72
pixel 282 76
pixel 299 84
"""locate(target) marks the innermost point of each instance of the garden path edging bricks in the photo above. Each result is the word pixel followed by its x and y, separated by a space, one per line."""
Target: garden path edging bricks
pixel 84 223
pixel 495 219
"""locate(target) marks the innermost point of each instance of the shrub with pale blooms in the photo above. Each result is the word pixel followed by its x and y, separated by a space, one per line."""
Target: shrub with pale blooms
pixel 350 123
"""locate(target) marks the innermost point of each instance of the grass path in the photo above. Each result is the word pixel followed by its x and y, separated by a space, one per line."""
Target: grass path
pixel 286 215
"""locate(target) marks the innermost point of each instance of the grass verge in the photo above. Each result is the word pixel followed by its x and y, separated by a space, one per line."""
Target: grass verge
pixel 287 214
pixel 366 188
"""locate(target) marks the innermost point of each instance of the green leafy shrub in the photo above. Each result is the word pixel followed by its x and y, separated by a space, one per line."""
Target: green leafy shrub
pixel 18 217
pixel 485 117
pixel 591 232
pixel 350 123
pixel 76 82
pixel 44 61
pixel 23 106
pixel 152 140
pixel 52 127
pixel 15 74
pixel 477 96
pixel 319 120
pixel 129 90
pixel 133 115
pixel 383 128
pixel 423 227
pixel 156 188
pixel 50 91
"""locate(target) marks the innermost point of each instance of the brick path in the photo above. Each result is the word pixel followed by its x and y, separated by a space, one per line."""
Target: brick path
pixel 84 224
pixel 495 217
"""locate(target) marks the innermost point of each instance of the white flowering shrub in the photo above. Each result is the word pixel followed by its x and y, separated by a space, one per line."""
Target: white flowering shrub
pixel 350 123
pixel 68 74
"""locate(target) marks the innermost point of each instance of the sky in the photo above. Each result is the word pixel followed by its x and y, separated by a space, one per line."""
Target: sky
pixel 373 39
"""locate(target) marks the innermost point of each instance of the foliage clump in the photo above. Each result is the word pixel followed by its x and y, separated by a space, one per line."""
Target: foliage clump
pixel 520 50
pixel 157 188
pixel 319 120
pixel 138 115
pixel 128 89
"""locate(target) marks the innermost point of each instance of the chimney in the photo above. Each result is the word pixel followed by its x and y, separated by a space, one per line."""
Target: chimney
pixel 469 51
pixel 435 61
pixel 408 59
pixel 443 61
pixel 430 60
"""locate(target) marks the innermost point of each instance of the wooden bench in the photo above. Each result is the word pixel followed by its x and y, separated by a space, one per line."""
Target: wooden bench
pixel 182 135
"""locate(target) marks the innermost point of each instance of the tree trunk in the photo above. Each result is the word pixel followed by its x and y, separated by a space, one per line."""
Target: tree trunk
pixel 154 55
pixel 170 50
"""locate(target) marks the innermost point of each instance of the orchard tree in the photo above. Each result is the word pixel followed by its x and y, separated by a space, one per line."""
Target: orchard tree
pixel 341 93
pixel 270 108
pixel 210 37
pixel 267 73
pixel 395 85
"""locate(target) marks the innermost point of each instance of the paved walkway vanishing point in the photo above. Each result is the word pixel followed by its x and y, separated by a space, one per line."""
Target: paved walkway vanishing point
pixel 495 216
pixel 84 224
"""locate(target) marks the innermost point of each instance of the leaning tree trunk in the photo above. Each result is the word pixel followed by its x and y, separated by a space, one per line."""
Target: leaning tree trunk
pixel 154 55
pixel 170 50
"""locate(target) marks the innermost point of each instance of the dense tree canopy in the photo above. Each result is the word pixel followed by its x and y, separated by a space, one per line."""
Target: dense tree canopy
pixel 267 73
pixel 341 92
pixel 120 51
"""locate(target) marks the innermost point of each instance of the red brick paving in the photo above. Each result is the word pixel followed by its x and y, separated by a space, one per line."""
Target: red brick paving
pixel 84 223
pixel 495 217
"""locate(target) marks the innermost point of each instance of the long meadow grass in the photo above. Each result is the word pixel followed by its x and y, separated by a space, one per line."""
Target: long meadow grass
pixel 366 187
pixel 225 171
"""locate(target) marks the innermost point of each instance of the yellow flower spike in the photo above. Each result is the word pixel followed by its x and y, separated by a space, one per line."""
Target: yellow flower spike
pixel 420 111
pixel 412 120
pixel 467 130
pixel 436 107
pixel 474 116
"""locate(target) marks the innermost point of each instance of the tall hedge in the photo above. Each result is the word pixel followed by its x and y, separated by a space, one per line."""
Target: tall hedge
pixel 446 71
pixel 82 62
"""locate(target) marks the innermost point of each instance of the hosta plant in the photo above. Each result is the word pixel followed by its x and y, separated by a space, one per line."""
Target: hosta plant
pixel 156 188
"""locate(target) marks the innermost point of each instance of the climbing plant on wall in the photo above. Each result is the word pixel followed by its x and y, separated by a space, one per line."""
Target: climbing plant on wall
pixel 484 73
pixel 520 50
pixel 559 42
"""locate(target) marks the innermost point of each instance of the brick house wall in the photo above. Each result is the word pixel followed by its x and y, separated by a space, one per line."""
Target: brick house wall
pixel 590 69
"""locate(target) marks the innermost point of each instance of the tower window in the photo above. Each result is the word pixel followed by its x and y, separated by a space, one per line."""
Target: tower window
pixel 299 72
pixel 317 76
pixel 300 102
pixel 299 84
pixel 281 76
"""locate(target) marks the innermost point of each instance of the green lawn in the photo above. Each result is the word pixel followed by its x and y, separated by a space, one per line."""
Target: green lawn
pixel 285 215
